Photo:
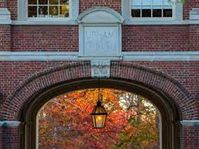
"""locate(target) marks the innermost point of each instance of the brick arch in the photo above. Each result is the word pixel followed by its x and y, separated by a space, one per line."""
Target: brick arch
pixel 160 82
pixel 119 71
pixel 72 71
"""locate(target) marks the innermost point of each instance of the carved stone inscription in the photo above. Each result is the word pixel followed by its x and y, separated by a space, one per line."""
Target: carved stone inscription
pixel 101 41
pixel 100 68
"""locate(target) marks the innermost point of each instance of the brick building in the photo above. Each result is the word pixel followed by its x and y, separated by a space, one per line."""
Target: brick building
pixel 48 47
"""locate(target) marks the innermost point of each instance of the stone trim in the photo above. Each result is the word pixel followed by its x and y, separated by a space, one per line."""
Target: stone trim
pixel 194 14
pixel 162 56
pixel 100 68
pixel 38 56
pixel 117 18
pixel 190 122
pixel 10 124
pixel 5 16
pixel 126 56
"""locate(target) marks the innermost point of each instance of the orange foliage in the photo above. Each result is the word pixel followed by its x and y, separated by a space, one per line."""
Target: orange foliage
pixel 65 122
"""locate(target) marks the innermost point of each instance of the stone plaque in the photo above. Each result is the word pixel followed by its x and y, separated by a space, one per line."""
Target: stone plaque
pixel 100 33
pixel 101 41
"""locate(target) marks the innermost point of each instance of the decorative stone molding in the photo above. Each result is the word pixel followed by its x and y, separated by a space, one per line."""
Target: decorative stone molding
pixel 126 56
pixel 9 124
pixel 190 122
pixel 100 33
pixel 5 16
pixel 194 14
pixel 100 15
pixel 100 68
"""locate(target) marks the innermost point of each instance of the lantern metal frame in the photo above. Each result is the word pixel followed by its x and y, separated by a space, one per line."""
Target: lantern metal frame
pixel 99 114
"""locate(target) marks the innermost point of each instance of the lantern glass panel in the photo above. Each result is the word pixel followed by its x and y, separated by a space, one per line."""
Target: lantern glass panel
pixel 99 120
pixel 99 116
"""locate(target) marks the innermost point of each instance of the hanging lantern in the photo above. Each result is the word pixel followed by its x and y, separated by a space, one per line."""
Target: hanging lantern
pixel 99 115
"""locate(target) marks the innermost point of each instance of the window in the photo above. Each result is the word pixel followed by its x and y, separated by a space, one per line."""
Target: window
pixel 152 12
pixel 151 8
pixel 48 8
pixel 44 12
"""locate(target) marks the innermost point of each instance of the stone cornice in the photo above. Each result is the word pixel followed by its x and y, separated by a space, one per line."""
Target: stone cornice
pixel 126 56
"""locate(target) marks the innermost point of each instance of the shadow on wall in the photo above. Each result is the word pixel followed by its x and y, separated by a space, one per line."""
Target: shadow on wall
pixel 1 97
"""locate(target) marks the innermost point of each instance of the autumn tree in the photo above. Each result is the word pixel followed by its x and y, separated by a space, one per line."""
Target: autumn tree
pixel 65 122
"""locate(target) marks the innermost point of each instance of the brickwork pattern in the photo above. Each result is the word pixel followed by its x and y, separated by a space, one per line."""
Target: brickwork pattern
pixel 186 73
pixel 70 71
pixel 30 77
pixel 5 38
pixel 194 37
pixel 166 38
pixel 114 4
pixel 136 38
pixel 46 38
pixel 186 103
pixel 1 137
pixel 11 138
pixel 3 4
pixel 185 97
pixel 191 137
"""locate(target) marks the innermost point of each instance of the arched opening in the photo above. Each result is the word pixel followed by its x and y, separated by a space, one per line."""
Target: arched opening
pixel 168 110
pixel 133 122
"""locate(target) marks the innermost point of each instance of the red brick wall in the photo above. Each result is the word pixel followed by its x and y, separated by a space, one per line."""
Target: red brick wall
pixel 62 38
pixel 51 38
pixel 114 4
pixel 5 37
pixel 194 37
pixel 185 72
pixel 11 138
pixel 144 38
pixel 14 73
pixel 191 137
pixel 156 38
pixel 3 4
pixel 1 137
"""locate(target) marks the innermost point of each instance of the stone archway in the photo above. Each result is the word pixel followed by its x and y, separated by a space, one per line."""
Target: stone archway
pixel 174 102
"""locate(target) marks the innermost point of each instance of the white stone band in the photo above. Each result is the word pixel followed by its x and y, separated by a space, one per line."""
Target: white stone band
pixel 126 56
pixel 190 122
pixel 9 123
pixel 162 56
pixel 5 16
